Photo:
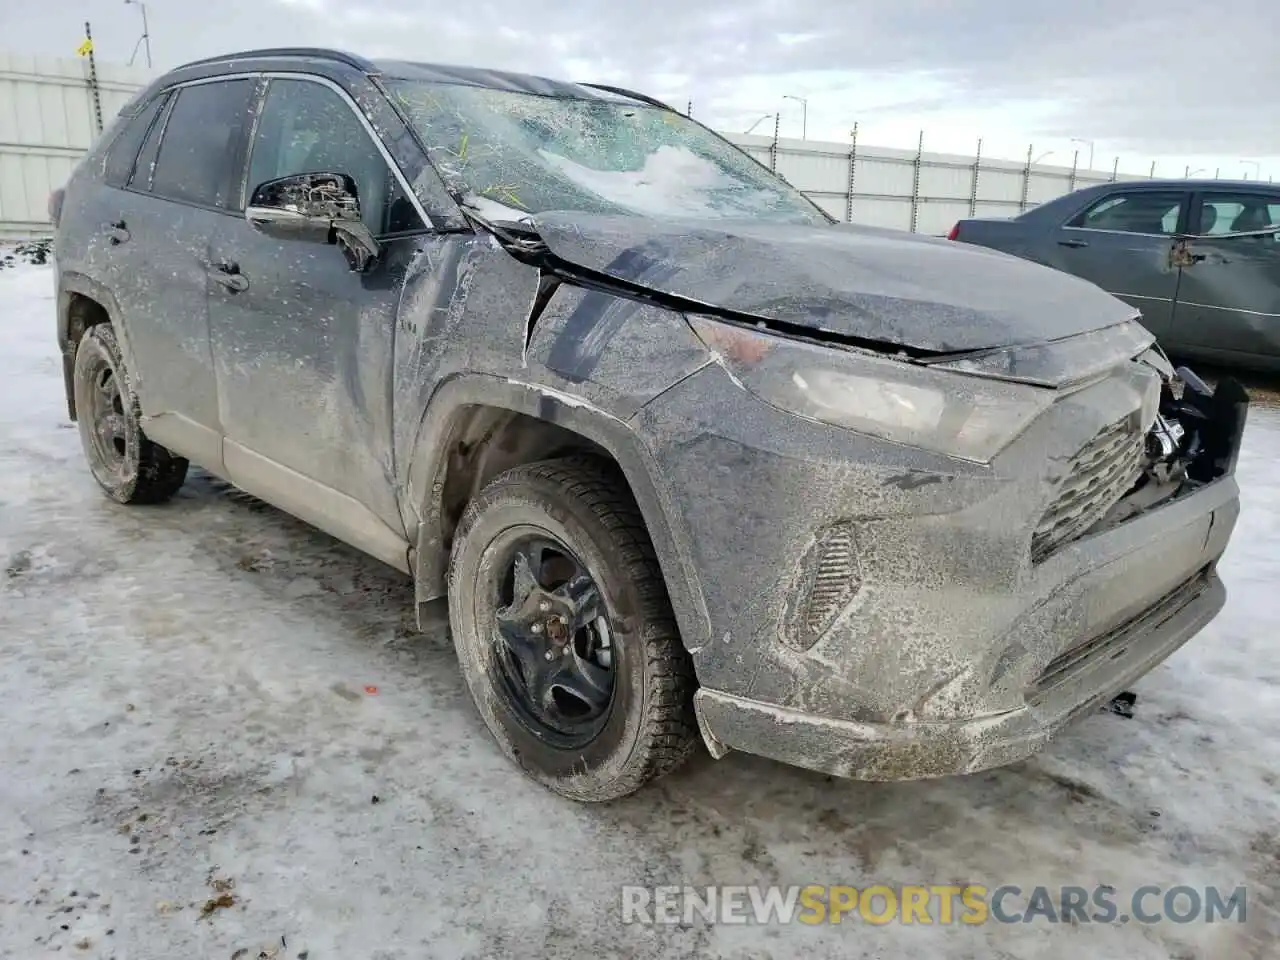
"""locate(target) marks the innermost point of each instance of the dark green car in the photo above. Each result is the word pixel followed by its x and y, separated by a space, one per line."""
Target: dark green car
pixel 1199 258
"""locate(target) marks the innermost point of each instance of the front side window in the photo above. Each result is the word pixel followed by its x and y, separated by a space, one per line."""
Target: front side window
pixel 308 128
pixel 1142 211
pixel 613 155
pixel 1238 212
pixel 196 154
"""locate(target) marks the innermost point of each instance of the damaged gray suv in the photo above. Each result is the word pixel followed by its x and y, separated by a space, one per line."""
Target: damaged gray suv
pixel 691 461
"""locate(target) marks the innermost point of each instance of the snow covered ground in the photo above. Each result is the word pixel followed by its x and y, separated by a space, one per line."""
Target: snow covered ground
pixel 210 699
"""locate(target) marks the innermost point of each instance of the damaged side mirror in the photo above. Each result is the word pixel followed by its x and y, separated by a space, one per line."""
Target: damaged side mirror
pixel 314 207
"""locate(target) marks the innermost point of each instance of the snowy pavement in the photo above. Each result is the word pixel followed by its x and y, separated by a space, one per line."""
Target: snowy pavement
pixel 210 700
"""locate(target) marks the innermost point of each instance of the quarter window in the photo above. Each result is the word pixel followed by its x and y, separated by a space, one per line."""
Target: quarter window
pixel 197 153
pixel 1146 211
pixel 308 128
pixel 124 149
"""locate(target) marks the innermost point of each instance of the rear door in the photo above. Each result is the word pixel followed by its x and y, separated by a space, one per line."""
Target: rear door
pixel 155 259
pixel 1122 243
pixel 1229 294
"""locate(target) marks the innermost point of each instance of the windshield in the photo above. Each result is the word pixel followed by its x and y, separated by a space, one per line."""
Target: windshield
pixel 533 153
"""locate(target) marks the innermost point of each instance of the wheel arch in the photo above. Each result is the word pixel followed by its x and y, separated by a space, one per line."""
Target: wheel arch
pixel 84 303
pixel 476 426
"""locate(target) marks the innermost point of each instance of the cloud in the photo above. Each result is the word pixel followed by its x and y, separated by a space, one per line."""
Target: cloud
pixel 1153 77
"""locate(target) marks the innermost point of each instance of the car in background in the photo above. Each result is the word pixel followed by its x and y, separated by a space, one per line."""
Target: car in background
pixel 1199 258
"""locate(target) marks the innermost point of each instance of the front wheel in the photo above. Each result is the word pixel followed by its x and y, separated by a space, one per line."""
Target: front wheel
pixel 565 633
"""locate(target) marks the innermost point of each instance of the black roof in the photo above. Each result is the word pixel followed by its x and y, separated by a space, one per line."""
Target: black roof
pixel 1180 183
pixel 408 70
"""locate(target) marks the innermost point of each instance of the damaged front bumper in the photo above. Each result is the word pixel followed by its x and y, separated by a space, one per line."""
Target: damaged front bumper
pixel 1081 680
pixel 942 643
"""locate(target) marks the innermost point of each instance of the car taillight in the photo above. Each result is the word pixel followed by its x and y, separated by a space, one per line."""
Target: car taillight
pixel 955 232
pixel 55 205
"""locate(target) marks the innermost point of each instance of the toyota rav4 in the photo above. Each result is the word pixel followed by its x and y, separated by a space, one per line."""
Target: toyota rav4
pixel 690 460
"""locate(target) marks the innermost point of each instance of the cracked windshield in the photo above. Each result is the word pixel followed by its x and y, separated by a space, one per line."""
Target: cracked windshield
pixel 512 154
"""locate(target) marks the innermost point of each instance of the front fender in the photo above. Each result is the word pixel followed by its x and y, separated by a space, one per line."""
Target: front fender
pixel 423 496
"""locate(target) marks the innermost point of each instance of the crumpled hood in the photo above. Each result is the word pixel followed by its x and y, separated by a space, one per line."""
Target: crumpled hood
pixel 899 289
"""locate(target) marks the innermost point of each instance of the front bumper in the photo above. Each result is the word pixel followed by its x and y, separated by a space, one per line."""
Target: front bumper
pixel 952 650
pixel 910 750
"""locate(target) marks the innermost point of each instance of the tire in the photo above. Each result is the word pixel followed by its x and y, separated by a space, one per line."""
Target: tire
pixel 577 507
pixel 128 466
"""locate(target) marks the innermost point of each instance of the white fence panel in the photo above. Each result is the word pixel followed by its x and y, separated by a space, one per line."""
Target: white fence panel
pixel 48 119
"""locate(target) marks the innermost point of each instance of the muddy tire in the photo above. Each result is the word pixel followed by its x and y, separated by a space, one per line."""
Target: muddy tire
pixel 128 466
pixel 565 633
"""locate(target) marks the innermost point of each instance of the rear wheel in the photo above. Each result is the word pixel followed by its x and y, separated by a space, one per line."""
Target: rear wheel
pixel 565 632
pixel 128 466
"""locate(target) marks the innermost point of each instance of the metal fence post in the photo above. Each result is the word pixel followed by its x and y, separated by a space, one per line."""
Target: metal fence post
pixel 973 182
pixel 1115 170
pixel 1075 162
pixel 1153 169
pixel 1026 178
pixel 853 173
pixel 94 92
pixel 773 147
pixel 915 182
pixel 688 110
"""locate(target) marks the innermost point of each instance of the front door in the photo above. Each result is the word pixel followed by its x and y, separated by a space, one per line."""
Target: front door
pixel 1229 295
pixel 1122 244
pixel 303 345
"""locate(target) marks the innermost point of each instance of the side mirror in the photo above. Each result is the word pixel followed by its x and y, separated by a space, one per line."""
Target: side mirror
pixel 314 207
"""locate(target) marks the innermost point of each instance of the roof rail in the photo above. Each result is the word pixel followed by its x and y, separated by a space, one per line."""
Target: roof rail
pixel 624 92
pixel 315 53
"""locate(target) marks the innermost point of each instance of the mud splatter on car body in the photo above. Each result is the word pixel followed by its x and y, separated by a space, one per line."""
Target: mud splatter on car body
pixel 908 497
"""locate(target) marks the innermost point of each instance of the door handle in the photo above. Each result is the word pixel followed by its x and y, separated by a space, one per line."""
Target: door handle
pixel 116 233
pixel 228 275
pixel 1073 242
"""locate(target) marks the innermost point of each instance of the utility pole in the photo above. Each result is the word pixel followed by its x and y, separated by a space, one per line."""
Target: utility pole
pixel 804 115
pixel 1090 143
pixel 145 39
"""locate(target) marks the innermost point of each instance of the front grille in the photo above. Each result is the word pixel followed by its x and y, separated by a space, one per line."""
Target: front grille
pixel 1115 642
pixel 1102 472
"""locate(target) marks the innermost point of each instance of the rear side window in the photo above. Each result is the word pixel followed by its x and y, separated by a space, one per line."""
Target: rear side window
pixel 200 139
pixel 1143 211
pixel 1237 212
pixel 124 149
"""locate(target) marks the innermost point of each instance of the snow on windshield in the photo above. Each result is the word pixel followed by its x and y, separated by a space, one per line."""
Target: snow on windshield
pixel 533 153
pixel 673 181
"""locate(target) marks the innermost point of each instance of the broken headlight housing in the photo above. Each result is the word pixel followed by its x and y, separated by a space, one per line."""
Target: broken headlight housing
pixel 963 416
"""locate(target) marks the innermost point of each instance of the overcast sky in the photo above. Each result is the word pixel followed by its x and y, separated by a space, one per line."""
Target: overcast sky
pixel 1183 82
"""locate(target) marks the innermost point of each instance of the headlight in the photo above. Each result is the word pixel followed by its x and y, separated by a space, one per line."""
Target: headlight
pixel 968 417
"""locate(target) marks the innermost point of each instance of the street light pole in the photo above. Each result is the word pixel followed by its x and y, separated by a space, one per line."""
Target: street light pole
pixel 145 39
pixel 1257 169
pixel 763 118
pixel 804 114
pixel 1090 143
